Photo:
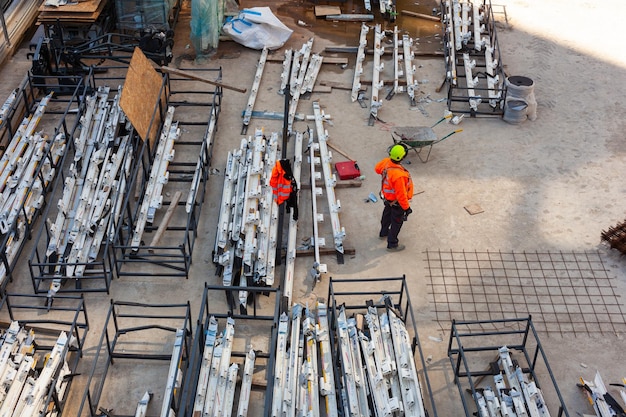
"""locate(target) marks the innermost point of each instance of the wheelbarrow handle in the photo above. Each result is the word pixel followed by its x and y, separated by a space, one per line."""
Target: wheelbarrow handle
pixel 450 134
pixel 442 119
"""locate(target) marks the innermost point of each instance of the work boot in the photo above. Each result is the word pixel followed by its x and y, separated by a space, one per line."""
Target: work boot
pixel 396 248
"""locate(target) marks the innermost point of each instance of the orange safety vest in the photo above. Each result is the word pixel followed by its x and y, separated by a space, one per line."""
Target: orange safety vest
pixel 281 186
pixel 397 186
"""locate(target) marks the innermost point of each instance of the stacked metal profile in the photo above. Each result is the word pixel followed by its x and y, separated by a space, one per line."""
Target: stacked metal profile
pixel 321 156
pixel 26 168
pixel 217 382
pixel 604 404
pixel 474 71
pixel 245 245
pixel 24 386
pixel 300 70
pixel 514 394
pixel 377 374
pixel 158 177
pixel 93 189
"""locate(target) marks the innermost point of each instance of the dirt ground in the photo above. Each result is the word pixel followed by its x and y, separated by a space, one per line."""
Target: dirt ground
pixel 548 185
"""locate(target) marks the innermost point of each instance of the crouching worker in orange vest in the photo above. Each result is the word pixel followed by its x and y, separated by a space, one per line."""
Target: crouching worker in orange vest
pixel 396 192
pixel 284 186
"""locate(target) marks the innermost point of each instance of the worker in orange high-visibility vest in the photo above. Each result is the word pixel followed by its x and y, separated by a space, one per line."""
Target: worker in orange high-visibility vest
pixel 284 186
pixel 396 192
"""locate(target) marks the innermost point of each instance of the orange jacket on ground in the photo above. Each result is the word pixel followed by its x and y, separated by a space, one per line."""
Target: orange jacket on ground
pixel 281 186
pixel 397 185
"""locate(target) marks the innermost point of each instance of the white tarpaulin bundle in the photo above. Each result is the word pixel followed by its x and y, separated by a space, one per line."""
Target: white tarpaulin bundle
pixel 257 28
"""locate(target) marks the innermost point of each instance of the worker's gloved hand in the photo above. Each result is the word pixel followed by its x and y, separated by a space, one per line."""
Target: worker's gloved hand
pixel 408 211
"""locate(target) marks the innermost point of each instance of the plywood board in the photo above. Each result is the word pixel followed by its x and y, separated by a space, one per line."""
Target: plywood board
pixel 140 95
pixel 473 209
pixel 87 6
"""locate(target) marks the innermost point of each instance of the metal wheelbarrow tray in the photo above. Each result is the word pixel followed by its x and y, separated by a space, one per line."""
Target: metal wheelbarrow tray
pixel 419 137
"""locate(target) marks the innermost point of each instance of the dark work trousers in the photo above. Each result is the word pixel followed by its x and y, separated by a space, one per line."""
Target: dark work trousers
pixel 391 223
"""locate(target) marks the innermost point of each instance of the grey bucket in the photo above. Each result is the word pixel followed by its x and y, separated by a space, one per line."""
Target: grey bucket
pixel 520 89
pixel 515 111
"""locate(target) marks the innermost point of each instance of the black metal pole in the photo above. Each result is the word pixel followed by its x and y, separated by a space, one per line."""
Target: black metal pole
pixel 283 155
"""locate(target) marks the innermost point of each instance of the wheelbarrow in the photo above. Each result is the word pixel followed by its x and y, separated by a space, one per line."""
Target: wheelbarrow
pixel 419 138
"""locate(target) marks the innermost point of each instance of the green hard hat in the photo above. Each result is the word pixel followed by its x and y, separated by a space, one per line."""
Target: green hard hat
pixel 397 152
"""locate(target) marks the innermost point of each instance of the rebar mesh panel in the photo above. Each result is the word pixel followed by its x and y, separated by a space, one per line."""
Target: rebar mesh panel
pixel 563 292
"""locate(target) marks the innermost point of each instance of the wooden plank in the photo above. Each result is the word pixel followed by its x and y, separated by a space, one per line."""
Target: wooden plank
pixel 140 96
pixel 166 220
pixel 322 89
pixel 326 251
pixel 335 60
pixel 339 86
pixel 339 184
pixel 322 10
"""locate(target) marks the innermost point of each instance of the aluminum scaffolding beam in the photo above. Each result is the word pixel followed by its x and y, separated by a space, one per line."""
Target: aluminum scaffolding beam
pixel 158 177
pixel 298 71
pixel 292 233
pixel 318 267
pixel 360 58
pixel 377 84
pixel 247 115
pixel 246 384
pixel 334 205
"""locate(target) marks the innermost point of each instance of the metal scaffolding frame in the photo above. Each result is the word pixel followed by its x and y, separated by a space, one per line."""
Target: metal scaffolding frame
pixel 342 295
pixel 263 318
pixel 50 270
pixel 471 346
pixel 198 111
pixel 69 316
pixel 134 334
pixel 474 68
pixel 58 121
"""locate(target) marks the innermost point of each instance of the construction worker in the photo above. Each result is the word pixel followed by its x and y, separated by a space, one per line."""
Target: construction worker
pixel 396 192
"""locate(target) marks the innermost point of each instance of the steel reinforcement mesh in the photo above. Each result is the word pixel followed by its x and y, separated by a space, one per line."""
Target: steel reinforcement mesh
pixel 564 292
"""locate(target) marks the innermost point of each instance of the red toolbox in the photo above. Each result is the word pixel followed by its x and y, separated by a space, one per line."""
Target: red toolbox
pixel 347 170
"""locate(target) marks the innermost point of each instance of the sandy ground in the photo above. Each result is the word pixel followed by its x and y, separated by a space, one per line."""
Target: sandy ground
pixel 552 184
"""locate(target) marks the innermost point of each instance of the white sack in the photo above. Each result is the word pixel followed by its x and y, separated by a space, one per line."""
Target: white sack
pixel 257 28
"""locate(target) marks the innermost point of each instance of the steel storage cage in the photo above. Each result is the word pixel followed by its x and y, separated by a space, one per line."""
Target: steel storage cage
pixel 137 339
pixel 474 68
pixel 59 336
pixel 136 15
pixel 355 296
pixel 65 250
pixel 166 245
pixel 36 136
pixel 476 350
pixel 255 330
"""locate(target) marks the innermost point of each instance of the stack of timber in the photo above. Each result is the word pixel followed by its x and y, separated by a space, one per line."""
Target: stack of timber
pixel 514 394
pixel 24 384
pixel 27 167
pixel 19 19
pixel 217 381
pixel 82 12
pixel 245 245
pixel 93 191
pixel 373 356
